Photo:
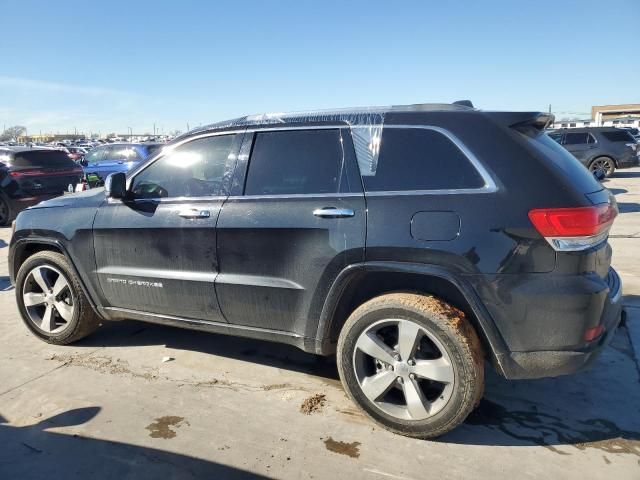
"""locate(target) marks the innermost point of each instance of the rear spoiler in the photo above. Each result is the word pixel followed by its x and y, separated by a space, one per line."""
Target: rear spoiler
pixel 529 123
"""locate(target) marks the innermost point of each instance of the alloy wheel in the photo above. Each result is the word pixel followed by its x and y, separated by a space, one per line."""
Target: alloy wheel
pixel 48 299
pixel 403 369
pixel 601 166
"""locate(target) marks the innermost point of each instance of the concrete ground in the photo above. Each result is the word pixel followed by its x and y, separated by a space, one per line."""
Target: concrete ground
pixel 224 407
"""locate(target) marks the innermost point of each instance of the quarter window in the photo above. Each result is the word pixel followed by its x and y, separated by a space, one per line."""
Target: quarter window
pixel 296 162
pixel 618 136
pixel 193 169
pixel 419 159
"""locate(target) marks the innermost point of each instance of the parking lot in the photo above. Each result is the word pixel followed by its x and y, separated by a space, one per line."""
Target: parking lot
pixel 136 400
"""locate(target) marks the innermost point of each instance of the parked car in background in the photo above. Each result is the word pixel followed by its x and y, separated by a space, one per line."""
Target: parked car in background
pixel 634 132
pixel 29 176
pixel 76 153
pixel 116 157
pixel 601 149
pixel 413 241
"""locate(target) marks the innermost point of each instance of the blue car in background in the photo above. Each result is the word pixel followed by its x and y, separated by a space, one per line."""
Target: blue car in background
pixel 117 157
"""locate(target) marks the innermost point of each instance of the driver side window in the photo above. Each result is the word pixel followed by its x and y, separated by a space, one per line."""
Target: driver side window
pixel 193 169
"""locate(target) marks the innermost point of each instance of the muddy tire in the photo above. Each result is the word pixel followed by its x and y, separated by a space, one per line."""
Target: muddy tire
pixel 413 363
pixel 51 301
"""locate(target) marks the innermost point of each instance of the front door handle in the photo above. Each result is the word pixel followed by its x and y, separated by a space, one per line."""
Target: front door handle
pixel 332 212
pixel 194 213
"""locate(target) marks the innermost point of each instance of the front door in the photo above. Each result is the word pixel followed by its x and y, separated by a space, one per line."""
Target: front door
pixel 299 222
pixel 156 250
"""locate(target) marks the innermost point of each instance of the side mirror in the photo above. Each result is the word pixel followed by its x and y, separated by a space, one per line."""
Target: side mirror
pixel 115 186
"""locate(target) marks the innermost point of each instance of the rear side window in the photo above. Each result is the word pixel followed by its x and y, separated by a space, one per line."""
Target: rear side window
pixel 42 158
pixel 618 136
pixel 295 162
pixel 419 159
pixel 576 138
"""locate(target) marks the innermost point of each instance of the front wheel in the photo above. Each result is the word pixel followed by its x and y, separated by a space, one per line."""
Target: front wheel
pixel 51 301
pixel 412 363
pixel 602 167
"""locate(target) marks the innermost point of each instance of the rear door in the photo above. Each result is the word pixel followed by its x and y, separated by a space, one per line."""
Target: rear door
pixel 580 144
pixel 295 219
pixel 156 251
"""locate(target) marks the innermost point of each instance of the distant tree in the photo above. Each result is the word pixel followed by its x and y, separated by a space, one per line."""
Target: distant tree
pixel 175 133
pixel 12 133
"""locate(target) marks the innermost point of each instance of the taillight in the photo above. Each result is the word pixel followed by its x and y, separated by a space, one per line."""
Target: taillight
pixel 27 173
pixel 574 229
pixel 46 173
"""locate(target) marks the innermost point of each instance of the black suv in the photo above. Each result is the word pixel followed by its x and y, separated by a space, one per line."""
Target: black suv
pixel 31 175
pixel 600 149
pixel 413 242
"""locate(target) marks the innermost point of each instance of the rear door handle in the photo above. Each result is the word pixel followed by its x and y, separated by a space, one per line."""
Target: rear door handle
pixel 194 213
pixel 332 212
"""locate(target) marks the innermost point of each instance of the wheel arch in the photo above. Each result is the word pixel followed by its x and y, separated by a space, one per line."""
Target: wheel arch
pixel 359 283
pixel 24 248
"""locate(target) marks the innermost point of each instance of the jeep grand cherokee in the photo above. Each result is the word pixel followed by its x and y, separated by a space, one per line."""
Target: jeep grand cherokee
pixel 411 242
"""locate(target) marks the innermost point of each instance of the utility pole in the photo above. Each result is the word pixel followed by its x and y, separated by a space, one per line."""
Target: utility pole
pixel 154 129
pixel 187 126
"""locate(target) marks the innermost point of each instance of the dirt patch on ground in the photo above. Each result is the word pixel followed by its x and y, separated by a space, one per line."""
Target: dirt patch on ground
pixel 343 448
pixel 103 365
pixel 161 427
pixel 276 386
pixel 313 404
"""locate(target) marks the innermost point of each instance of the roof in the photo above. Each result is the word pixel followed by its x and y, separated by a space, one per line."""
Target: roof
pixel 588 129
pixel 349 116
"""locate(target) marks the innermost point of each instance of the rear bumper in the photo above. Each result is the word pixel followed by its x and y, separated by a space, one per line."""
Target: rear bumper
pixel 551 320
pixel 629 162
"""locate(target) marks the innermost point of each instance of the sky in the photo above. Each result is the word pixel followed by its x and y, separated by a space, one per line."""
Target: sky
pixel 112 65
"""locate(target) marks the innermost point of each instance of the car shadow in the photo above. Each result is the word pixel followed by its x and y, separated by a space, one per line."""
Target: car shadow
pixel 628 207
pixel 590 409
pixel 34 452
pixel 618 191
pixel 573 410
pixel 130 333
pixel 5 284
pixel 619 174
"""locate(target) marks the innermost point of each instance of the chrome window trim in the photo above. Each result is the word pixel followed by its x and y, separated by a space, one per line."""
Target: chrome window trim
pixel 489 184
pixel 295 195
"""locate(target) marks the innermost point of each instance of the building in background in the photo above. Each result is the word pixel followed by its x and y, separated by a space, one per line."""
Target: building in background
pixel 625 115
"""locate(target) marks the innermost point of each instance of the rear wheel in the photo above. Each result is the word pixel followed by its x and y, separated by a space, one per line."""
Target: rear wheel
pixel 412 362
pixel 51 301
pixel 603 166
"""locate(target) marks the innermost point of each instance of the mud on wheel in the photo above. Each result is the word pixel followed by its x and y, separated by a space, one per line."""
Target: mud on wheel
pixel 413 363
